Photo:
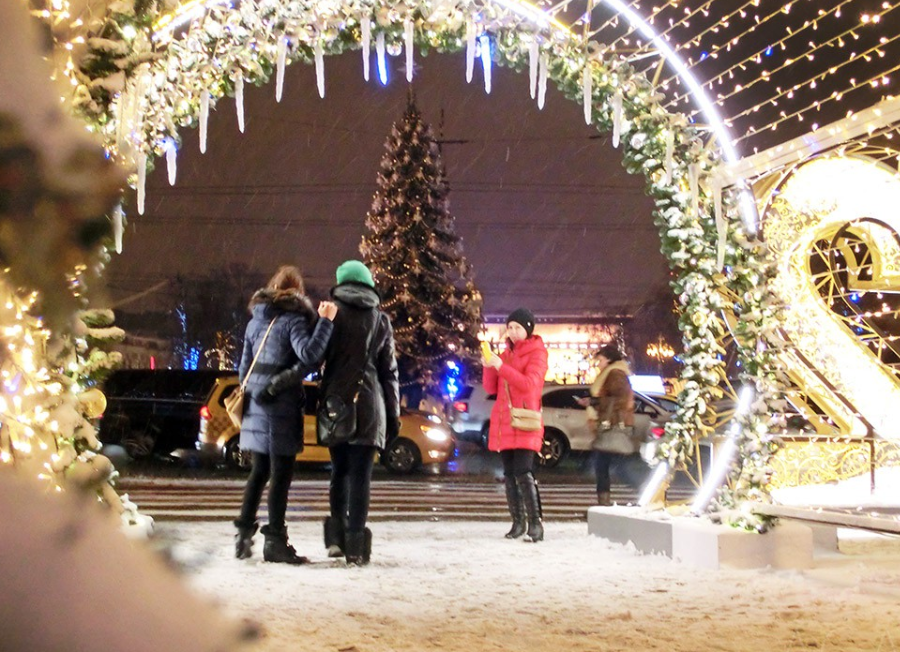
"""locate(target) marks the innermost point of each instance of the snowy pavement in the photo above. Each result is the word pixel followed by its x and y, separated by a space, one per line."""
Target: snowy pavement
pixel 462 586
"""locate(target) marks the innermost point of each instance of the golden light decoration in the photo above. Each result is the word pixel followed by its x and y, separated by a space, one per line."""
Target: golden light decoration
pixel 660 350
pixel 816 200
pixel 93 402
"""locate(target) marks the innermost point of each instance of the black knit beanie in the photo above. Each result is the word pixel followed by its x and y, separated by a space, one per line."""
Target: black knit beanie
pixel 524 317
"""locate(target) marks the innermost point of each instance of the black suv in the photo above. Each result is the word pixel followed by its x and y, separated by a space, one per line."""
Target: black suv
pixel 155 411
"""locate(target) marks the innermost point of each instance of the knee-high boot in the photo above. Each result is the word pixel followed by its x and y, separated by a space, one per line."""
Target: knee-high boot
pixel 516 504
pixel 529 491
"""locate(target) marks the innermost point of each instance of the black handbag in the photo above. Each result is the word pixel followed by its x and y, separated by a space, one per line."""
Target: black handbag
pixel 336 420
pixel 336 416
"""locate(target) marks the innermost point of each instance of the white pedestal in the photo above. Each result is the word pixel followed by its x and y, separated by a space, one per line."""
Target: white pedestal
pixel 698 542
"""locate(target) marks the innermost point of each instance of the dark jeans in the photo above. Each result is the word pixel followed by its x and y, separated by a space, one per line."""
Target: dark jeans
pixel 631 468
pixel 351 481
pixel 517 461
pixel 279 471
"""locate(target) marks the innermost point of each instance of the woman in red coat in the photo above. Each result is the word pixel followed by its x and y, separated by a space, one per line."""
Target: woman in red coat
pixel 517 378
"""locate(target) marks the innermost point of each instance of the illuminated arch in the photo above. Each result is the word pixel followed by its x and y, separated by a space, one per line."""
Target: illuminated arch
pixel 174 77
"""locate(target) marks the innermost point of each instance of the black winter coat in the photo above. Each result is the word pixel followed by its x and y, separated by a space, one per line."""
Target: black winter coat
pixel 378 405
pixel 276 427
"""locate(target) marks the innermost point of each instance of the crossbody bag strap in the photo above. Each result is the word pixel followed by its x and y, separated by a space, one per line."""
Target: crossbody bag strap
pixel 362 368
pixel 256 357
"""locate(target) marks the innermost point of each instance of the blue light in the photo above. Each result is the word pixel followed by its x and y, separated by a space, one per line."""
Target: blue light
pixel 854 297
pixel 452 384
pixel 193 359
pixel 769 51
pixel 703 55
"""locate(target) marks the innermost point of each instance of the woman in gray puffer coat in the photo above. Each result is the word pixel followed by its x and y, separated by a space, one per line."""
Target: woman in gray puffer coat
pixel 272 426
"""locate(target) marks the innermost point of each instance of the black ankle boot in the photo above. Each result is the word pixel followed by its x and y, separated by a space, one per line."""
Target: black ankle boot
pixel 277 549
pixel 359 547
pixel 243 540
pixel 516 509
pixel 334 536
pixel 528 489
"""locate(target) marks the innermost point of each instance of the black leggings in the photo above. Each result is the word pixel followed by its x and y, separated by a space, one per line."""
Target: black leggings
pixel 351 481
pixel 279 471
pixel 517 461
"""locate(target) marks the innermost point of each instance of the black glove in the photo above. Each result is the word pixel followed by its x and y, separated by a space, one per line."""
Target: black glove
pixel 264 397
pixel 393 428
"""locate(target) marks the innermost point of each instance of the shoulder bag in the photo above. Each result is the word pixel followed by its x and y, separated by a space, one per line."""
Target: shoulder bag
pixel 522 418
pixel 336 417
pixel 234 402
pixel 616 439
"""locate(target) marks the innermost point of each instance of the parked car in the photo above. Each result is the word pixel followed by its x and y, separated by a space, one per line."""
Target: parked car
pixel 154 411
pixel 566 428
pixel 423 439
pixel 469 415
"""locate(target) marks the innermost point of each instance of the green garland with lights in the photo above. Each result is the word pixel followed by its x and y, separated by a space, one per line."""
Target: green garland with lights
pixel 164 78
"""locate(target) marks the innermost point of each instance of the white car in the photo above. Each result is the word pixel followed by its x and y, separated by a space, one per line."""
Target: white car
pixel 566 428
pixel 469 415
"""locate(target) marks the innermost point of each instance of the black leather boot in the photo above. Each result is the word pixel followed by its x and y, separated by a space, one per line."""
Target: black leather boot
pixel 334 536
pixel 243 540
pixel 277 549
pixel 516 506
pixel 528 489
pixel 359 547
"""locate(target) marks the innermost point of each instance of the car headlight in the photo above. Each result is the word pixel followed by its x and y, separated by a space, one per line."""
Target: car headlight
pixel 435 434
pixel 434 418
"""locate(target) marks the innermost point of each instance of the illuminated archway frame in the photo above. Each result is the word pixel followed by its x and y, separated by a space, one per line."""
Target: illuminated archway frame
pixel 170 82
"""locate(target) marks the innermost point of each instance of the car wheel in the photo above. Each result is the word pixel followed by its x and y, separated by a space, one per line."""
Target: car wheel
pixel 485 432
pixel 401 456
pixel 236 458
pixel 139 444
pixel 554 449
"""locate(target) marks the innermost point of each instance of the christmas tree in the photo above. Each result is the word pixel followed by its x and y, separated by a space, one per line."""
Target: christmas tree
pixel 417 259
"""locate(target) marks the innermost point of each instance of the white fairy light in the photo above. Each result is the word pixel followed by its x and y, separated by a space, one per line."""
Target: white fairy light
pixel 366 29
pixel 379 54
pixel 485 43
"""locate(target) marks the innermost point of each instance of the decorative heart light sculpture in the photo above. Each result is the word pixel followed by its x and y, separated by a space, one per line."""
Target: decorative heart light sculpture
pixel 832 224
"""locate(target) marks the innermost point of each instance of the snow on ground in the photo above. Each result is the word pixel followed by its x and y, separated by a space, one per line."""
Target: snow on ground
pixel 462 586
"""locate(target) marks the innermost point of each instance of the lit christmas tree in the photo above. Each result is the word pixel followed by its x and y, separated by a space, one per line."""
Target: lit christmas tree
pixel 417 258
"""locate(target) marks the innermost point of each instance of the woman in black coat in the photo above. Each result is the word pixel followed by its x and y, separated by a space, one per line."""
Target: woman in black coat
pixel 272 426
pixel 360 366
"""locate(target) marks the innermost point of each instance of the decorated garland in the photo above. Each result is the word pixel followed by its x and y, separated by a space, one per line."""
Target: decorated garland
pixel 137 81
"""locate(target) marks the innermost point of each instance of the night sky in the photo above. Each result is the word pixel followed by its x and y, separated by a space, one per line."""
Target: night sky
pixel 549 218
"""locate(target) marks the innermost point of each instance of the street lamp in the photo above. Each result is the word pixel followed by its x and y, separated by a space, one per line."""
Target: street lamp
pixel 660 351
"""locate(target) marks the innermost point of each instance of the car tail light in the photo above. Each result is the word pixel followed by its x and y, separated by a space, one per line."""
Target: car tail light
pixel 461 406
pixel 204 412
pixel 657 432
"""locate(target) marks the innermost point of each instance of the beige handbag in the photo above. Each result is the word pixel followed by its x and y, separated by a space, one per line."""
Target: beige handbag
pixel 234 402
pixel 523 418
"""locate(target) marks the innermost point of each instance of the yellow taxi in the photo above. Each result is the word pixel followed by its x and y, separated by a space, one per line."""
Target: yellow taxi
pixel 424 439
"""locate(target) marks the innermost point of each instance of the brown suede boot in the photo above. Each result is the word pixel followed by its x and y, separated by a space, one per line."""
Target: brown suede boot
pixel 604 499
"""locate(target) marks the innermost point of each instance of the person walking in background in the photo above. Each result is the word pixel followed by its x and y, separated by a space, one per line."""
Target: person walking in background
pixel 611 406
pixel 283 330
pixel 360 386
pixel 517 378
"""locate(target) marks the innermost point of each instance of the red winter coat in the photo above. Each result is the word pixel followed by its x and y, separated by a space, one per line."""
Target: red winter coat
pixel 523 369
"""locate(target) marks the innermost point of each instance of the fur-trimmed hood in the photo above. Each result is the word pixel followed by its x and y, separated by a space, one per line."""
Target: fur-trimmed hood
pixel 272 302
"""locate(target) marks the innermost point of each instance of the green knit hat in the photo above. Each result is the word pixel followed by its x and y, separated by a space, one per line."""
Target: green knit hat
pixel 353 271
